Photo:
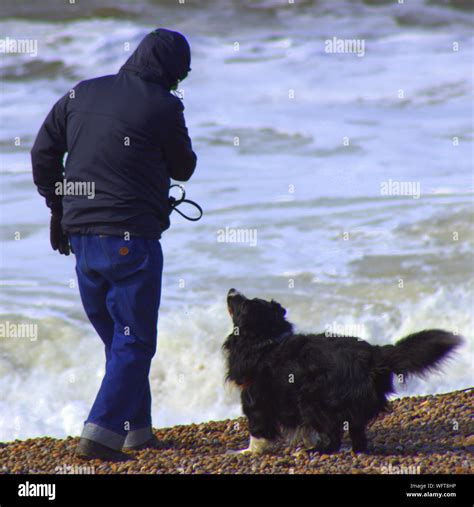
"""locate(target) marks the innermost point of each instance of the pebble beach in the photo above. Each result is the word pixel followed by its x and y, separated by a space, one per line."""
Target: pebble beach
pixel 418 435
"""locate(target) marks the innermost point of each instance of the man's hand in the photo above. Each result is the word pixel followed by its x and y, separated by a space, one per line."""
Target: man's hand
pixel 59 240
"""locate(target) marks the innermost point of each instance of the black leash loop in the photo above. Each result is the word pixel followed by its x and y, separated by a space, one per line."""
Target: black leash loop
pixel 174 203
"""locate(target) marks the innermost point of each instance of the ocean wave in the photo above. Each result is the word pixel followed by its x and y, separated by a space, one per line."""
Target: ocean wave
pixel 253 139
pixel 28 70
pixel 48 384
pixel 426 13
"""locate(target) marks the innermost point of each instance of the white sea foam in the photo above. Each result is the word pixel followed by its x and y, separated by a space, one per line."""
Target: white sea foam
pixel 48 386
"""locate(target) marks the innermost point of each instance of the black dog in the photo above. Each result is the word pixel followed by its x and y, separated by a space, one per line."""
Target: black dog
pixel 315 383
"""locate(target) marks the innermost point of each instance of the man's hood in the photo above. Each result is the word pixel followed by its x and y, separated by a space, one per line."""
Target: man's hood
pixel 162 56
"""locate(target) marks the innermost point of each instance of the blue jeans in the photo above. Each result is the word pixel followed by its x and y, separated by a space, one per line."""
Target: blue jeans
pixel 120 287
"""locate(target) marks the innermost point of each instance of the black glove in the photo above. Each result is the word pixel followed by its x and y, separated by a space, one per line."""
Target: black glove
pixel 59 240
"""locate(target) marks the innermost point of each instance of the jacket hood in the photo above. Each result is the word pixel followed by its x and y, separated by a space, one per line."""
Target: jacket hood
pixel 162 56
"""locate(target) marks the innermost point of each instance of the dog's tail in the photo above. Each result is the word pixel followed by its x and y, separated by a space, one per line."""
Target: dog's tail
pixel 419 353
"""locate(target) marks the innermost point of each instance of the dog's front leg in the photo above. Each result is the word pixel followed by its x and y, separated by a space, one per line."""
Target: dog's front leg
pixel 262 426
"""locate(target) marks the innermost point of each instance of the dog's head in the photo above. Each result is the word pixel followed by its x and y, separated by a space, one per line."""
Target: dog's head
pixel 256 317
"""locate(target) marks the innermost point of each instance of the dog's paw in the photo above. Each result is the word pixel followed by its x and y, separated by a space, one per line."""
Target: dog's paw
pixel 313 439
pixel 243 452
pixel 256 446
pixel 238 452
pixel 304 437
pixel 246 451
pixel 322 445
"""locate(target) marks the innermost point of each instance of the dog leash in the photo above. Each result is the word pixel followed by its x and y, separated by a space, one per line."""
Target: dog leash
pixel 174 203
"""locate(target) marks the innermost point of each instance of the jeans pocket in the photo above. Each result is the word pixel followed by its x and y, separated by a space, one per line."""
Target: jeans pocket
pixel 125 255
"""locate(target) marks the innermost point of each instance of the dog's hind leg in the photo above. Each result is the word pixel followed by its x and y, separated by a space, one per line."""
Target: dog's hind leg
pixel 293 436
pixel 333 443
pixel 330 434
pixel 311 438
pixel 327 424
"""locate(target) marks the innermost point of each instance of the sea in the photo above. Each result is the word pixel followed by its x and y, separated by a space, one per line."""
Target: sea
pixel 335 170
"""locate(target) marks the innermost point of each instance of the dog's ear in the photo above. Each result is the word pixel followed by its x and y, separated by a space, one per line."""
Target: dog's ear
pixel 278 309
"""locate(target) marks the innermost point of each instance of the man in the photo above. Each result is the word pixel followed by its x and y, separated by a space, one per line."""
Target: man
pixel 125 137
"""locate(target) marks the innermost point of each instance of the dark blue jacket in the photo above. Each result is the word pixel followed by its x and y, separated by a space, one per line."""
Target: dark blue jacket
pixel 125 136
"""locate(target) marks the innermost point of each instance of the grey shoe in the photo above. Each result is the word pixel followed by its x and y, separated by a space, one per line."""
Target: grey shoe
pixel 89 449
pixel 151 443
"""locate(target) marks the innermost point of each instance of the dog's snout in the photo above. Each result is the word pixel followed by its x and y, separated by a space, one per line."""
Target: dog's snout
pixel 232 293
